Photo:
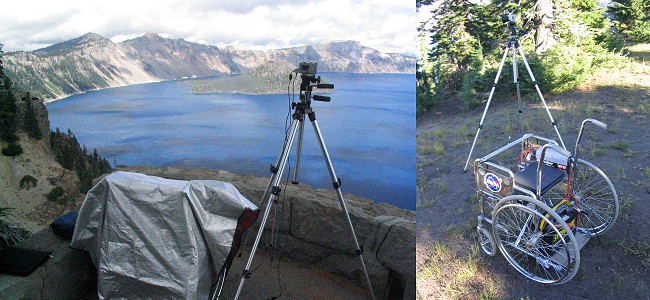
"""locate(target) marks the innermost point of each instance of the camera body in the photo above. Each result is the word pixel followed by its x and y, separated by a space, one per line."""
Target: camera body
pixel 307 68
pixel 509 18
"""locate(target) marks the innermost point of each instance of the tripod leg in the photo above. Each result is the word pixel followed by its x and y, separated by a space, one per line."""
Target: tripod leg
pixel 494 85
pixel 515 73
pixel 337 186
pixel 539 92
pixel 274 187
pixel 301 129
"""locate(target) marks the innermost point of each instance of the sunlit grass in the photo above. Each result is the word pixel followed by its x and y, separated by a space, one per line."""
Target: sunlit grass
pixel 457 274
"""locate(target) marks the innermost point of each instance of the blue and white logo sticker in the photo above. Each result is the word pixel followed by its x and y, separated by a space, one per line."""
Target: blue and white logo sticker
pixel 492 182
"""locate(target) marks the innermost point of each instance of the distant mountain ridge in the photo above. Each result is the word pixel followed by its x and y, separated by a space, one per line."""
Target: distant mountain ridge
pixel 93 62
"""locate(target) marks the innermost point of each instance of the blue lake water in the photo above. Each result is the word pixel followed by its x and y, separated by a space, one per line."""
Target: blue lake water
pixel 368 128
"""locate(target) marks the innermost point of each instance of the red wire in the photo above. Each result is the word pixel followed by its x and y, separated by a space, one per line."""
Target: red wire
pixel 570 194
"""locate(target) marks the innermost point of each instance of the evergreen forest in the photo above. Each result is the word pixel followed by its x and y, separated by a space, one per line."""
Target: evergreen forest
pixel 564 41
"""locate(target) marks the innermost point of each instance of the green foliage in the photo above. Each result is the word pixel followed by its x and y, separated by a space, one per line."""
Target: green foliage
pixel 30 122
pixel 425 83
pixel 55 194
pixel 13 149
pixel 72 156
pixel 7 108
pixel 28 182
pixel 7 113
pixel 467 39
pixel 473 80
pixel 620 145
pixel 632 18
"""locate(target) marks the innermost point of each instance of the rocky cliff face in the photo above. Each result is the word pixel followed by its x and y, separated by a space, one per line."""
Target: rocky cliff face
pixel 26 197
pixel 92 62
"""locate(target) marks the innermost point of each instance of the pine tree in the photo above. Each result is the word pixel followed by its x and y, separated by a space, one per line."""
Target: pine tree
pixel 8 115
pixel 30 122
pixel 632 19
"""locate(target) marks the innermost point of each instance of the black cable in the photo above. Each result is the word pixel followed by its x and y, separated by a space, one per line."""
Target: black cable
pixel 291 87
pixel 279 256
pixel 290 91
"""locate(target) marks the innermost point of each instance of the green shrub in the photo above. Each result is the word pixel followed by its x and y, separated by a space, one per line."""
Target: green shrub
pixel 28 182
pixel 13 149
pixel 55 194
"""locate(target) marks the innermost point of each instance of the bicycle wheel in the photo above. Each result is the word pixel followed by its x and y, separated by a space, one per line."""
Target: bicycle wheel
pixel 535 240
pixel 595 195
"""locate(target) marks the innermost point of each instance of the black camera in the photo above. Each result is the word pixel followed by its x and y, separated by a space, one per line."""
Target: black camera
pixel 509 18
pixel 307 68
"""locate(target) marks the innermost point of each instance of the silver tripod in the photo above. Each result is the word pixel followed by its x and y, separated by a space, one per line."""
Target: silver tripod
pixel 514 45
pixel 302 108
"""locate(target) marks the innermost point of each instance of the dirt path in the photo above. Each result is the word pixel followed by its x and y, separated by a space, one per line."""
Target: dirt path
pixel 617 265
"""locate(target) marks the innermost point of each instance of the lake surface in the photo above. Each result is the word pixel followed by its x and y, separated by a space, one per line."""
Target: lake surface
pixel 368 128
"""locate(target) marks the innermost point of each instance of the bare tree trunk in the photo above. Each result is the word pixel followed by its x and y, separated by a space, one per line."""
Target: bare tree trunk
pixel 544 38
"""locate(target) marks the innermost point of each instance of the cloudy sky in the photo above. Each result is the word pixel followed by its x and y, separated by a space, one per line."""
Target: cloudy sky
pixel 386 25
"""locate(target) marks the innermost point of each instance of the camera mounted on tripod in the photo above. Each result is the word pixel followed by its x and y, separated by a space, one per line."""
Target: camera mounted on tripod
pixel 509 18
pixel 307 71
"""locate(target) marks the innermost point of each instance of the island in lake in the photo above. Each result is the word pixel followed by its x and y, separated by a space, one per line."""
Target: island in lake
pixel 271 78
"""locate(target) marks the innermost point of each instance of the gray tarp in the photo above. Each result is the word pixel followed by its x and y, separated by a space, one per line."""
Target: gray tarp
pixel 156 238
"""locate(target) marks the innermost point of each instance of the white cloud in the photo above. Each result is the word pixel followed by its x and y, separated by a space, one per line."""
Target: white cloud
pixel 386 25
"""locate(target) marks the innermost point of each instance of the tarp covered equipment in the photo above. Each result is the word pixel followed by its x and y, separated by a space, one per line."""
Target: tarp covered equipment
pixel 156 238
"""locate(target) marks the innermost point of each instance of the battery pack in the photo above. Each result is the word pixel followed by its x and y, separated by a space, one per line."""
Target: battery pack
pixel 552 157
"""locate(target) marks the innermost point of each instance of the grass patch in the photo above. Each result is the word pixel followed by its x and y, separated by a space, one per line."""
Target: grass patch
pixel 612 128
pixel 441 184
pixel 644 108
pixel 457 274
pixel 473 199
pixel 455 230
pixel 596 152
pixel 622 145
pixel 424 146
pixel 621 172
pixel 421 188
pixel 646 173
pixel 431 268
pixel 637 249
pixel 439 149
pixel 626 203
pixel 527 125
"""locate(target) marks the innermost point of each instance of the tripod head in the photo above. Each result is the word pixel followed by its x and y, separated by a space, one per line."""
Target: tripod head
pixel 511 20
pixel 309 80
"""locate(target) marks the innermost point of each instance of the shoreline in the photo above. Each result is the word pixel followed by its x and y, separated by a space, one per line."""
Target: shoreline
pixel 46 101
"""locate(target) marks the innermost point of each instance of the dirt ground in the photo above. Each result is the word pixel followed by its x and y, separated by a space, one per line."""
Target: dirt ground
pixel 450 265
